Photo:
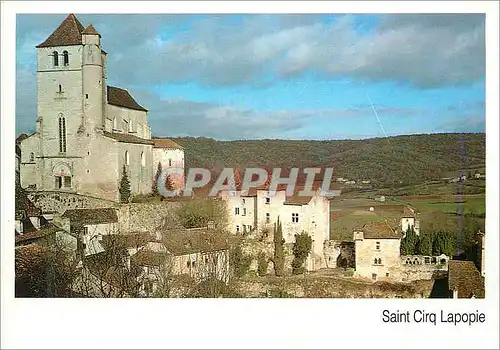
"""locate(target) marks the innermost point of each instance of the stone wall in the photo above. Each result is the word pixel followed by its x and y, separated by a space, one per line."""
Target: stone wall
pixel 59 202
pixel 330 287
pixel 147 217
pixel 339 254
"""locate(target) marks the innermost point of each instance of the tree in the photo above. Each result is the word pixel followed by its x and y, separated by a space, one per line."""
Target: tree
pixel 199 212
pixel 262 264
pixel 279 250
pixel 409 242
pixel 301 249
pixel 154 189
pixel 44 271
pixel 425 244
pixel 125 193
pixel 239 262
pixel 442 244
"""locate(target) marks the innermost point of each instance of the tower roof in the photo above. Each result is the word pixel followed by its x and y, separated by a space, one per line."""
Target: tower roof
pixel 68 33
pixel 90 30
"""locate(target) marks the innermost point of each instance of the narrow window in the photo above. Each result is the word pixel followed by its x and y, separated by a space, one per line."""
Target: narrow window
pixel 244 211
pixel 236 211
pixel 62 134
pixel 169 162
pixel 60 89
pixel 268 200
pixel 377 245
pixel 65 58
pixel 114 123
pixel 85 231
pixel 295 217
pixel 55 57
pixel 67 181
pixel 32 157
pixel 243 201
pixel 268 217
pixel 143 160
pixel 387 274
pixel 125 125
pixel 127 158
pixel 375 261
pixel 58 182
pixel 238 228
pixel 87 96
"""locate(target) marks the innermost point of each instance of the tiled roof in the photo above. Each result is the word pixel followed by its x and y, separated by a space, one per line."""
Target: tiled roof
pixel 24 206
pixel 91 216
pixel 122 98
pixel 408 212
pixel 165 143
pixel 68 33
pixel 90 30
pixel 128 138
pixel 464 277
pixel 130 240
pixel 146 257
pixel 187 241
pixel 374 230
pixel 42 232
pixel 297 200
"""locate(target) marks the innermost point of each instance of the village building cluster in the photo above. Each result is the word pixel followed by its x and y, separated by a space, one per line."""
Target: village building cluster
pixel 87 132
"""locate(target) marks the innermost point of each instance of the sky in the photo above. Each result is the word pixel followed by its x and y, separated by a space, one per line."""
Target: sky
pixel 318 77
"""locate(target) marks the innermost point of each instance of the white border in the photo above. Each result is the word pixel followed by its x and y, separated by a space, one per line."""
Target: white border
pixel 239 323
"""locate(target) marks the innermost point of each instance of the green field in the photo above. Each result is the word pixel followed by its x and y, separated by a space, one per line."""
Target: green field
pixel 436 212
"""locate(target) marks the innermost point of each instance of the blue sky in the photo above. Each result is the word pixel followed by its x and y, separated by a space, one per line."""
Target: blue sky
pixel 284 76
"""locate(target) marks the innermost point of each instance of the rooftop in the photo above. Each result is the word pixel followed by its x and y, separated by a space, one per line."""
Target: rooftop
pixel 128 138
pixel 122 98
pixel 379 230
pixel 165 143
pixel 91 216
pixel 68 33
pixel 464 277
pixel 187 241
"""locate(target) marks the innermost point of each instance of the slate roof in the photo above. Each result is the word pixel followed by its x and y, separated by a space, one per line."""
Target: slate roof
pixel 128 138
pixel 68 33
pixel 464 277
pixel 122 98
pixel 379 230
pixel 91 216
pixel 165 143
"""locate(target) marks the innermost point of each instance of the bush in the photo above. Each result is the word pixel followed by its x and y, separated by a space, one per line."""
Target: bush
pixel 262 264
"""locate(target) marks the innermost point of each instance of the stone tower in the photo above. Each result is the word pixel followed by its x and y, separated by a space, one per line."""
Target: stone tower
pixel 71 100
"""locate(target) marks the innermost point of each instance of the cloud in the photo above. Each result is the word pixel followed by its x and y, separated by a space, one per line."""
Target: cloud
pixel 426 51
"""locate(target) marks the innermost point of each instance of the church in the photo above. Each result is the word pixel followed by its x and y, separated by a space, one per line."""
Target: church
pixel 88 131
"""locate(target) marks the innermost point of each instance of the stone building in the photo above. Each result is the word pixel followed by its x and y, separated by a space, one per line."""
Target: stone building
pixel 259 209
pixel 377 254
pixel 86 130
pixel 409 219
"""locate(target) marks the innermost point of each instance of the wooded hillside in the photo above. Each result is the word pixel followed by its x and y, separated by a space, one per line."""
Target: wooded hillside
pixel 401 159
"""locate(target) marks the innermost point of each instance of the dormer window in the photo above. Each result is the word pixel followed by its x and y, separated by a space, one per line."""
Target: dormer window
pixel 55 57
pixel 66 58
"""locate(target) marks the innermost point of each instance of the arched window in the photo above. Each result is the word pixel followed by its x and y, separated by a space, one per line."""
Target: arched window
pixel 114 123
pixel 379 261
pixel 375 261
pixel 55 57
pixel 62 134
pixel 127 158
pixel 65 58
pixel 143 159
pixel 32 157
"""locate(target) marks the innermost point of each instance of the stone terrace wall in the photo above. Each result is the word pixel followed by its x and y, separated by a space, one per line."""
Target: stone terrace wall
pixel 328 287
pixel 147 217
pixel 59 202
